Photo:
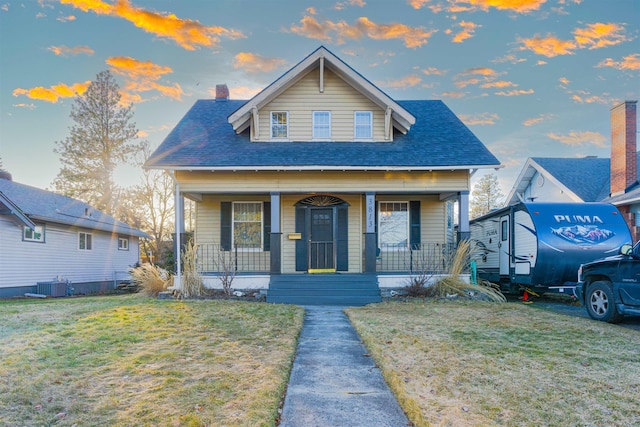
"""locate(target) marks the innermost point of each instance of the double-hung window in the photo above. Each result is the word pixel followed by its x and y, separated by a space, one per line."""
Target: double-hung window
pixel 321 125
pixel 393 225
pixel 123 244
pixel 85 241
pixel 247 225
pixel 363 125
pixel 279 125
pixel 33 235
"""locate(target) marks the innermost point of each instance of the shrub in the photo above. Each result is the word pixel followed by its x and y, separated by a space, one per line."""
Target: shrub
pixel 192 285
pixel 151 279
pixel 454 285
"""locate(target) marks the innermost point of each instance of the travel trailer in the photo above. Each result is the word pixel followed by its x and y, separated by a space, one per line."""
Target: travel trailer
pixel 540 246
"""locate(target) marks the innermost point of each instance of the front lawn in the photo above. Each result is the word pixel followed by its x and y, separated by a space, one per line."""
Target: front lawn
pixel 461 363
pixel 131 360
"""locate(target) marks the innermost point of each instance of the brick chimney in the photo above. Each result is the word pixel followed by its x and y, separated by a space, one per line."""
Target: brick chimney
pixel 222 93
pixel 624 168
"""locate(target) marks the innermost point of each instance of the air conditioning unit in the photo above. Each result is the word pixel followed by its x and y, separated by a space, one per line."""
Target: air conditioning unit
pixel 52 289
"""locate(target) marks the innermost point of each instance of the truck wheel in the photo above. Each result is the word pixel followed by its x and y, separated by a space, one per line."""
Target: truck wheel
pixel 601 304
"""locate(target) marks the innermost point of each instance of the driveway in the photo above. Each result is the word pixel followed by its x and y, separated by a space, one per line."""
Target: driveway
pixel 564 305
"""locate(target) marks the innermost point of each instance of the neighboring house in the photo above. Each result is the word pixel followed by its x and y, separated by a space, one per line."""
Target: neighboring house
pixel 321 172
pixel 590 179
pixel 48 238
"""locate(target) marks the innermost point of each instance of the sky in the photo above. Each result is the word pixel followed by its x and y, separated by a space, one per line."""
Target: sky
pixel 530 78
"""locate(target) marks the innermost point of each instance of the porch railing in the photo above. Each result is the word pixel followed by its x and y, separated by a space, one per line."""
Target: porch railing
pixel 434 258
pixel 212 258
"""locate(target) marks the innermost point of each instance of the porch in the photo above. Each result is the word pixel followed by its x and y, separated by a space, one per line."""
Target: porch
pixel 424 258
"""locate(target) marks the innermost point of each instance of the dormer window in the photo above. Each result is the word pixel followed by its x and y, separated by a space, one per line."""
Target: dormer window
pixel 279 125
pixel 363 125
pixel 321 125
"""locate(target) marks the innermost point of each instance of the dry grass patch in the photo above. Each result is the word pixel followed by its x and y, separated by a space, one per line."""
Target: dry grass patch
pixel 131 360
pixel 455 363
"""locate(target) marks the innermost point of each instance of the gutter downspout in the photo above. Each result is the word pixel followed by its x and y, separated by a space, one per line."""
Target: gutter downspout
pixel 179 219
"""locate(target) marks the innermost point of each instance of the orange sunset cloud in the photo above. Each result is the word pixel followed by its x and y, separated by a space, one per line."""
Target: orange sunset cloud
pixel 311 28
pixel 479 119
pixel 629 62
pixel 143 76
pixel 468 28
pixel 580 138
pixel 403 83
pixel 187 33
pixel 67 51
pixel 252 63
pixel 593 36
pixel 454 6
pixel 53 93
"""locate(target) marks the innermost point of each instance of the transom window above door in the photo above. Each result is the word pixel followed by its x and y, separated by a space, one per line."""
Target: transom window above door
pixel 279 125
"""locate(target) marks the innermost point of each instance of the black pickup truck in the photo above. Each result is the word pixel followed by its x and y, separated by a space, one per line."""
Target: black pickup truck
pixel 610 287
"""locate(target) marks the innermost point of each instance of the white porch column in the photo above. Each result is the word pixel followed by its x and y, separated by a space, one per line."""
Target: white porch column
pixel 463 216
pixel 179 228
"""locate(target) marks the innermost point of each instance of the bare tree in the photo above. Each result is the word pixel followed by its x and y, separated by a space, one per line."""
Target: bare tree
pixel 486 195
pixel 149 205
pixel 101 139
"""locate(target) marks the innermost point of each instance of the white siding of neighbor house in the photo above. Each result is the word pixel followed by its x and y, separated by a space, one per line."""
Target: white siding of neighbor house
pixel 24 263
pixel 543 189
pixel 304 97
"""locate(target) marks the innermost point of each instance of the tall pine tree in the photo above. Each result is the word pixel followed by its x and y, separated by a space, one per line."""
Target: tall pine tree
pixel 486 195
pixel 101 139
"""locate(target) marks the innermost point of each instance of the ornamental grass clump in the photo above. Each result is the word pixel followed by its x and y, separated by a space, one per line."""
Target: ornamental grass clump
pixel 151 279
pixel 453 285
pixel 192 285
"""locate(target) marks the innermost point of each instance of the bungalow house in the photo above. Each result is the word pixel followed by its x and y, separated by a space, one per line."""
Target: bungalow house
pixel 47 240
pixel 322 188
pixel 590 179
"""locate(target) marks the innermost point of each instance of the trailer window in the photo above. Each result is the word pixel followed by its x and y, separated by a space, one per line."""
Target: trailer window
pixel 503 235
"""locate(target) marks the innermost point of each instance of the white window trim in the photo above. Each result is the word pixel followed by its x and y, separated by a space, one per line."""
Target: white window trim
pixel 355 125
pixel 27 239
pixel 260 247
pixel 85 241
pixel 313 130
pixel 271 124
pixel 404 248
pixel 126 246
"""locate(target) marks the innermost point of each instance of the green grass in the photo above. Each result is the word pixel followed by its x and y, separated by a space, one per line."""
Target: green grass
pixel 456 363
pixel 131 360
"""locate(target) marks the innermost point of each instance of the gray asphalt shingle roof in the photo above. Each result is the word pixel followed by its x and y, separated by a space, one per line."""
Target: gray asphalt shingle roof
pixel 42 205
pixel 204 139
pixel 587 177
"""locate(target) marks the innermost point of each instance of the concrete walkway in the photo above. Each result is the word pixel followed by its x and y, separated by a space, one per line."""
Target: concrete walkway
pixel 333 381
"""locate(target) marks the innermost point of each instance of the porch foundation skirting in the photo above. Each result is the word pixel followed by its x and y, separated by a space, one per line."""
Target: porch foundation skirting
pixel 261 281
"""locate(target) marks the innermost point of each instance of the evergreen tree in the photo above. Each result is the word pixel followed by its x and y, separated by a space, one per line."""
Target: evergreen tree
pixel 101 139
pixel 486 195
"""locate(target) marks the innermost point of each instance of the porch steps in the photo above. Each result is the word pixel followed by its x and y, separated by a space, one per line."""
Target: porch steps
pixel 324 289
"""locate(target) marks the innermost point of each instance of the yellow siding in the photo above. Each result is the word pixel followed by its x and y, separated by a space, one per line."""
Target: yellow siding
pixel 304 97
pixel 323 181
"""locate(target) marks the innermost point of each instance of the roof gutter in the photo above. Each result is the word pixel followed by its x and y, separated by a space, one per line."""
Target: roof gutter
pixel 174 168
